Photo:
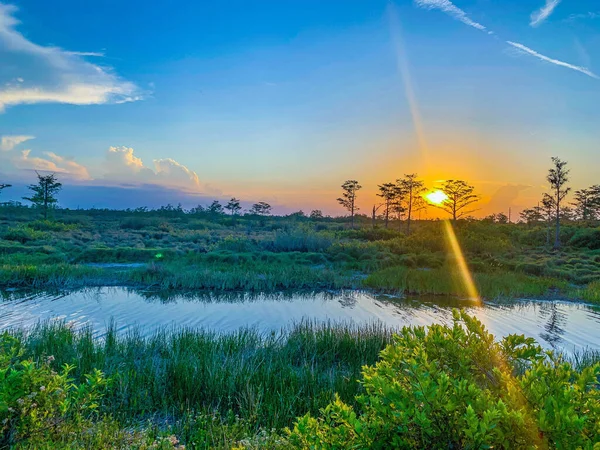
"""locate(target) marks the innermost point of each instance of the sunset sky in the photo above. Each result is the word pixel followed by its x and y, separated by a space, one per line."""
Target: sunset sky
pixel 143 103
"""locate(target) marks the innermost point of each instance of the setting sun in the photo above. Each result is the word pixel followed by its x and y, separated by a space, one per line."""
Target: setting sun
pixel 436 197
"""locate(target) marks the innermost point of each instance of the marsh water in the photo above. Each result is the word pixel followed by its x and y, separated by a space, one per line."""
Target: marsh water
pixel 561 325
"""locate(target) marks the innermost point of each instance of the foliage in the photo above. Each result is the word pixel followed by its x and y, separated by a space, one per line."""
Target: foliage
pixel 459 197
pixel 350 189
pixel 455 387
pixel 44 192
pixel 38 403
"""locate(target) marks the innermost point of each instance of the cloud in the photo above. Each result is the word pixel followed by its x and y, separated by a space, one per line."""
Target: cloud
pixel 529 51
pixel 449 8
pixel 583 16
pixel 33 73
pixel 122 165
pixel 538 17
pixel 7 143
pixel 52 163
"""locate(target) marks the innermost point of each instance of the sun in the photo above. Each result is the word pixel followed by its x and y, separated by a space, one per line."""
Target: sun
pixel 436 197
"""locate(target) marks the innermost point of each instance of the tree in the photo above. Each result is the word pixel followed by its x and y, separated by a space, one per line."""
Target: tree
pixel 459 196
pixel 233 206
pixel 44 192
pixel 558 177
pixel 390 193
pixel 4 186
pixel 348 198
pixel 547 209
pixel 215 208
pixel 261 209
pixel 531 215
pixel 413 190
pixel 316 214
pixel 587 203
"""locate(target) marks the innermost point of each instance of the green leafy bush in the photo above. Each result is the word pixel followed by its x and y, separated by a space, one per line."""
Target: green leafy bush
pixel 37 403
pixel 23 234
pixel 455 387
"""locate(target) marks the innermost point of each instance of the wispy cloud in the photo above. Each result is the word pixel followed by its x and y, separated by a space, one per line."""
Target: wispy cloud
pixel 583 16
pixel 7 143
pixel 33 73
pixel 449 8
pixel 538 17
pixel 531 52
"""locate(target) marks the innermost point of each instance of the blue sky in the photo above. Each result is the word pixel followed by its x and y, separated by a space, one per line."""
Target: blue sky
pixel 284 100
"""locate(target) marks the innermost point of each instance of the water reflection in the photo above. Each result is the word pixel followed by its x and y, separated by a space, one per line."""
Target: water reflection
pixel 555 324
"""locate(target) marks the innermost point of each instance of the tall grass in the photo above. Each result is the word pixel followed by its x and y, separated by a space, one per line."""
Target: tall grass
pixel 265 379
pixel 448 281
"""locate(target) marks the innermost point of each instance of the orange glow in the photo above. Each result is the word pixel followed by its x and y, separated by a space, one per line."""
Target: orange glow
pixel 436 197
pixel 465 273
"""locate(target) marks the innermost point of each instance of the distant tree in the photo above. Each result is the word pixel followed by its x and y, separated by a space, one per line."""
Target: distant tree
pixel 501 218
pixel 297 215
pixel 459 197
pixel 4 186
pixel 215 208
pixel 44 193
pixel 199 209
pixel 413 190
pixel 348 198
pixel 391 194
pixel 233 206
pixel 532 215
pixel 558 177
pixel 316 214
pixel 261 209
pixel 547 210
pixel 587 203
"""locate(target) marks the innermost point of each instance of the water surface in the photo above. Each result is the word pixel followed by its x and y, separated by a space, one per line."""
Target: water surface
pixel 562 325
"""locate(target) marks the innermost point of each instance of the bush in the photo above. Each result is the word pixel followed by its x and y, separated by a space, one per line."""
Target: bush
pixel 589 238
pixel 49 225
pixel 38 403
pixel 455 387
pixel 23 235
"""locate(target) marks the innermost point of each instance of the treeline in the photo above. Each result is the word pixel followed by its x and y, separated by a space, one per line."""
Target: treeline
pixel 400 200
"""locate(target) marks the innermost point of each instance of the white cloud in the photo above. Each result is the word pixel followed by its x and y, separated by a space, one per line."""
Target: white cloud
pixel 539 16
pixel 7 143
pixel 34 73
pixel 529 51
pixel 588 15
pixel 122 165
pixel 52 163
pixel 449 8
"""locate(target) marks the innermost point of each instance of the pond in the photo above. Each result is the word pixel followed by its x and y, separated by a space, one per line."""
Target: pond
pixel 561 325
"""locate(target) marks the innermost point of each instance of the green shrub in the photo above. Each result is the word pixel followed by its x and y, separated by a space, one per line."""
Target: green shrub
pixel 455 387
pixel 50 225
pixel 23 234
pixel 38 403
pixel 586 238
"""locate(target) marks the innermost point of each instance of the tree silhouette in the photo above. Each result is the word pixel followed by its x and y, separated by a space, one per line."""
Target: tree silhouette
pixel 413 190
pixel 44 192
pixel 459 197
pixel 261 209
pixel 316 214
pixel 348 198
pixel 390 193
pixel 558 177
pixel 215 208
pixel 4 186
pixel 587 203
pixel 233 206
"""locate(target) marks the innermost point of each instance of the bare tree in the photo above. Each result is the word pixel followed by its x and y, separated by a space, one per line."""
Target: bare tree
pixel 459 197
pixel 558 177
pixel 413 190
pixel 348 198
pixel 44 192
pixel 390 193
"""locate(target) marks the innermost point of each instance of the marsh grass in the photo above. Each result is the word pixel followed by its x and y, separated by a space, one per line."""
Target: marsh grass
pixel 264 379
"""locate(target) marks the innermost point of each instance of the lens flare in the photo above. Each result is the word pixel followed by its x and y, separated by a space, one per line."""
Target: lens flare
pixel 436 197
pixel 465 273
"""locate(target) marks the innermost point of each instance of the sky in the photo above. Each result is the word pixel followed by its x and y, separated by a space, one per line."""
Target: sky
pixel 132 104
